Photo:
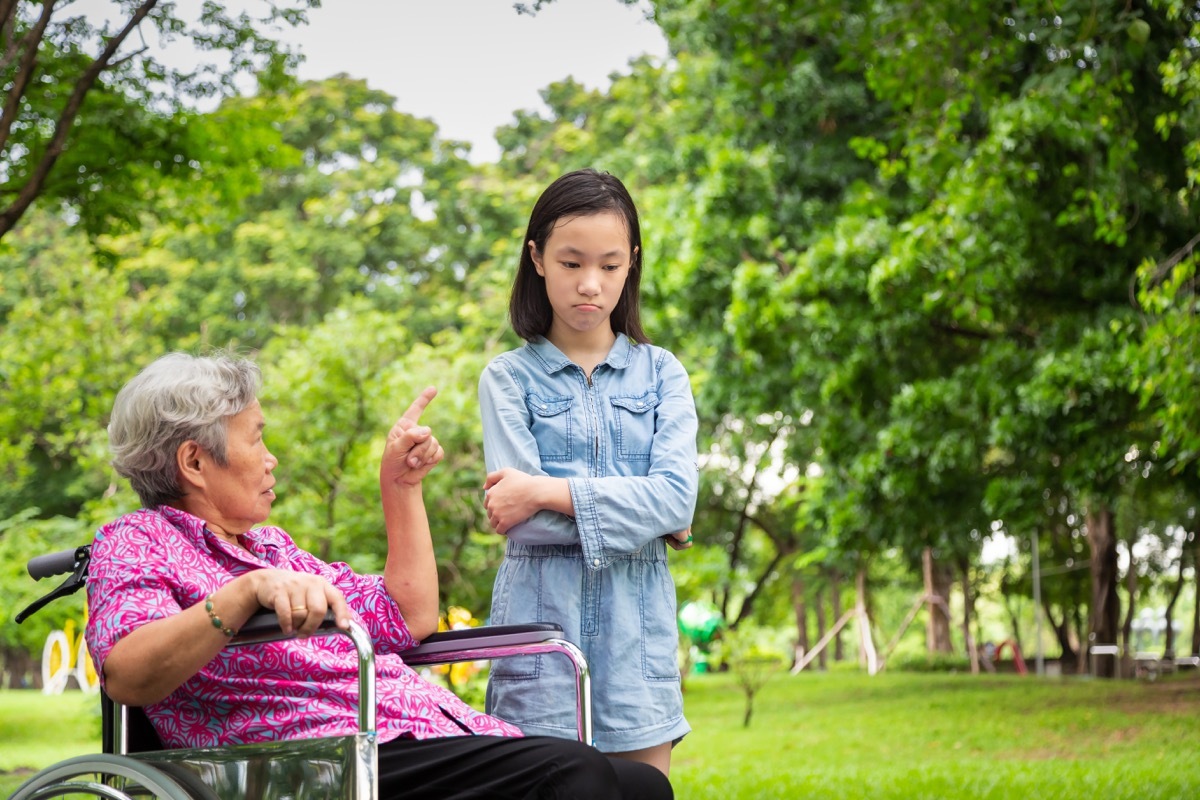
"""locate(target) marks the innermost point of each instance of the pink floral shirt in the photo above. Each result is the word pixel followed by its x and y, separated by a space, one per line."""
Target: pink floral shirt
pixel 151 564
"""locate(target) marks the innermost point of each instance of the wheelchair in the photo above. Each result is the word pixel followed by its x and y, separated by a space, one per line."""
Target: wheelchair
pixel 134 764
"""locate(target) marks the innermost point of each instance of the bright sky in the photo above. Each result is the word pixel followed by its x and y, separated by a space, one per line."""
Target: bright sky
pixel 465 64
pixel 469 64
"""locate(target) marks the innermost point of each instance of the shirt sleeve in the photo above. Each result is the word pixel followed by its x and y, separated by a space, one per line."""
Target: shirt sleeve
pixel 129 585
pixel 508 442
pixel 618 515
pixel 366 595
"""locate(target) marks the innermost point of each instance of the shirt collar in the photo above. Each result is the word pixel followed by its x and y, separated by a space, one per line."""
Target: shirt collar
pixel 193 526
pixel 553 360
pixel 197 529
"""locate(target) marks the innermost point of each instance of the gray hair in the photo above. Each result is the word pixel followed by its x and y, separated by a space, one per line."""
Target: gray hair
pixel 176 399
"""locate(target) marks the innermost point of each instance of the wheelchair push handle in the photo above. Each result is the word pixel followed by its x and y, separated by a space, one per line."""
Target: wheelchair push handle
pixel 74 562
pixel 51 564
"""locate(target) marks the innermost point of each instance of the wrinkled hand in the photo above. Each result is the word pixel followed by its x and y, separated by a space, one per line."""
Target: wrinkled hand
pixel 681 540
pixel 299 600
pixel 507 499
pixel 411 449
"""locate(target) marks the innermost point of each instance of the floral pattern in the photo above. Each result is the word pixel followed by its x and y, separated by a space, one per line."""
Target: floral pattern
pixel 154 563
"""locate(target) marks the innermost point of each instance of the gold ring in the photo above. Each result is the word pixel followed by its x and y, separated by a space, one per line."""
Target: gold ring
pixel 297 609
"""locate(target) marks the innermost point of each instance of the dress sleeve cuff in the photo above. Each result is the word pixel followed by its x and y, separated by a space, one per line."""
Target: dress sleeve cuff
pixel 587 521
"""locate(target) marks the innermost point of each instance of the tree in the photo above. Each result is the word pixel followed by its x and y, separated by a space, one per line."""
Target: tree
pixel 94 117
pixel 70 334
pixel 332 391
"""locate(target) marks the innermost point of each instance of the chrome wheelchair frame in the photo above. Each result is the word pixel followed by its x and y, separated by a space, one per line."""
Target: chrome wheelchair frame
pixel 133 763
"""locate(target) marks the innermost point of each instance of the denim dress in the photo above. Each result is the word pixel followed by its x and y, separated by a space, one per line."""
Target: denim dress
pixel 626 442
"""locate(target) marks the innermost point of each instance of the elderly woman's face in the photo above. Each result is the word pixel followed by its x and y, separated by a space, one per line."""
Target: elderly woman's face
pixel 241 492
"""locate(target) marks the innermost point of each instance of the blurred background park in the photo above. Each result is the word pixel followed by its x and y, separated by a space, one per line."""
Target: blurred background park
pixel 931 266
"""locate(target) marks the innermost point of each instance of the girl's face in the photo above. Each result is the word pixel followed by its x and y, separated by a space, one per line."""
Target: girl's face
pixel 585 264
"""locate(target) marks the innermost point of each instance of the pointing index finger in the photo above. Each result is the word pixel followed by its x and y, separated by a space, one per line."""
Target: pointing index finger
pixel 414 411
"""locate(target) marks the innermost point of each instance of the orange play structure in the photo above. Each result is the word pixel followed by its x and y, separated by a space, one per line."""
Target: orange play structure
pixel 1011 644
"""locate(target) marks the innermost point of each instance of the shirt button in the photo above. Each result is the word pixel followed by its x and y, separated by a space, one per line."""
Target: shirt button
pixel 543 406
pixel 640 404
pixel 595 562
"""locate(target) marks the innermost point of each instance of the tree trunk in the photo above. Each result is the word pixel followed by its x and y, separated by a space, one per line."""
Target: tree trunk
pixel 822 626
pixel 1131 587
pixel 1014 619
pixel 1078 637
pixel 866 648
pixel 800 608
pixel 18 668
pixel 968 613
pixel 937 621
pixel 1196 602
pixel 1105 612
pixel 725 595
pixel 1067 654
pixel 835 598
pixel 1169 644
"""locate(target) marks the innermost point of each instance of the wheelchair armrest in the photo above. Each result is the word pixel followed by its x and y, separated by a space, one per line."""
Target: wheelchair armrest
pixel 502 641
pixel 264 627
pixel 447 646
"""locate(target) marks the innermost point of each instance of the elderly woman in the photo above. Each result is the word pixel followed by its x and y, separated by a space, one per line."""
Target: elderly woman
pixel 170 583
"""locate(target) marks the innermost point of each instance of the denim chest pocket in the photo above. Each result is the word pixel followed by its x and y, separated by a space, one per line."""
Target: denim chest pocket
pixel 550 424
pixel 633 417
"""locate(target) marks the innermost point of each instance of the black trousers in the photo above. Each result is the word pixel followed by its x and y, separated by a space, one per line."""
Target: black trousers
pixel 502 768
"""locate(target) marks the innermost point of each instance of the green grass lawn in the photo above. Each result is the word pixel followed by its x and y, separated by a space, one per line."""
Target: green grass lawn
pixel 846 735
pixel 912 736
pixel 37 730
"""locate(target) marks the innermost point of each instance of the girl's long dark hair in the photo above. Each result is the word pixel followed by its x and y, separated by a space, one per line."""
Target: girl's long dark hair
pixel 580 193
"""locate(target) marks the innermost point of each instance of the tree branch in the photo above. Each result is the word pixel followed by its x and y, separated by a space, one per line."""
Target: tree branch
pixel 8 29
pixel 129 57
pixel 1163 269
pixel 748 603
pixel 62 128
pixel 740 532
pixel 29 42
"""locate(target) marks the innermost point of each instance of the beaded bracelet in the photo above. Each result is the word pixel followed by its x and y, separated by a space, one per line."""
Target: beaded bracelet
pixel 216 621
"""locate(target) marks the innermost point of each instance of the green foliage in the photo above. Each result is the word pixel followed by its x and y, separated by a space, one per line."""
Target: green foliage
pixel 54 399
pixel 332 392
pixel 931 270
pixel 1165 365
pixel 22 538
pixel 947 293
pixel 929 662
pixel 754 656
pixel 99 125
pixel 354 291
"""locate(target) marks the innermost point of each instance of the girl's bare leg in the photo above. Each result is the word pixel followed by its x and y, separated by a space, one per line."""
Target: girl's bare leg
pixel 658 756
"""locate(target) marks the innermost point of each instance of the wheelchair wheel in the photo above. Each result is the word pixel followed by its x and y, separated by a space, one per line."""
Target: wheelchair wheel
pixel 106 776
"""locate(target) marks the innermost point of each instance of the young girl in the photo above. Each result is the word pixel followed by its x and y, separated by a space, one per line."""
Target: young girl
pixel 590 442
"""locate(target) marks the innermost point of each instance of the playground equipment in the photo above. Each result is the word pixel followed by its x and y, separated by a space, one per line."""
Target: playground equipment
pixel 700 622
pixel 1150 658
pixel 992 654
pixel 65 656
